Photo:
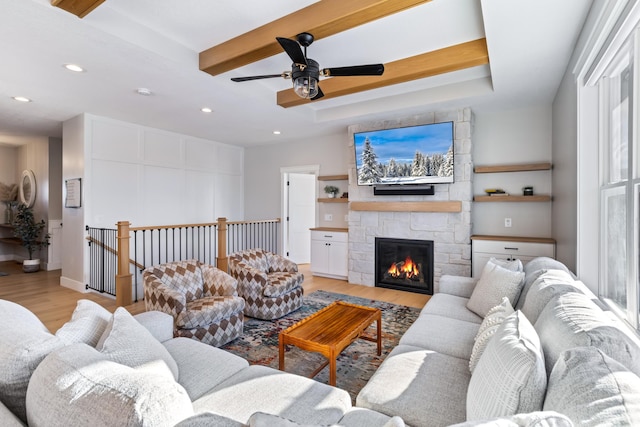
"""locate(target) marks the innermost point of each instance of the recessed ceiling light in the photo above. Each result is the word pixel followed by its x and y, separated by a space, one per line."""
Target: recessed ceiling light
pixel 206 110
pixel 276 132
pixel 74 67
pixel 21 99
pixel 144 91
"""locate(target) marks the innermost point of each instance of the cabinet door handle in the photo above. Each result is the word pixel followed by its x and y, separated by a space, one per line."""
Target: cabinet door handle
pixel 328 237
pixel 510 249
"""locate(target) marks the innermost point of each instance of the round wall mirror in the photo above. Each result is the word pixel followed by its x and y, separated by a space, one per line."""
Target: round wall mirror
pixel 27 188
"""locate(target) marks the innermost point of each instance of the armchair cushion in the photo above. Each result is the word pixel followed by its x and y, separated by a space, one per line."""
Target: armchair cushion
pixel 202 299
pixel 281 282
pixel 269 283
pixel 208 310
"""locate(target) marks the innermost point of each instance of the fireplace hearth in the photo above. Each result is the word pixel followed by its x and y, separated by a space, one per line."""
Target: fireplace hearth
pixel 404 264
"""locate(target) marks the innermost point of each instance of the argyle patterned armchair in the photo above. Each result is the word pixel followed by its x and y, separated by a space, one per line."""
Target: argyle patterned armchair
pixel 269 283
pixel 202 299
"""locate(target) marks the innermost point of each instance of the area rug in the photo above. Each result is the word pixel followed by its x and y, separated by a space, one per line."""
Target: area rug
pixel 355 365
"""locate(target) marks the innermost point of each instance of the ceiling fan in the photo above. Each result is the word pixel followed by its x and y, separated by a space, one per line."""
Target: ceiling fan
pixel 305 72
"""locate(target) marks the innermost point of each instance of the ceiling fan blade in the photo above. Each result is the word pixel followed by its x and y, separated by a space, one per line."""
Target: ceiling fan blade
pixel 319 95
pixel 355 70
pixel 293 49
pixel 246 79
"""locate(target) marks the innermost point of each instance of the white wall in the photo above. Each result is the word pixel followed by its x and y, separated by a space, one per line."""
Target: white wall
pixel 145 176
pixel 505 137
pixel 73 235
pixel 262 172
pixel 34 155
pixel 8 170
pixel 565 175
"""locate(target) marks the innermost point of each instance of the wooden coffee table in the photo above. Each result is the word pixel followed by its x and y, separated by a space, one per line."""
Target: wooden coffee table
pixel 331 330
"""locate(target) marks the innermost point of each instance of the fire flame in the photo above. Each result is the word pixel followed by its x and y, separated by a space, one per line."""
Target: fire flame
pixel 404 270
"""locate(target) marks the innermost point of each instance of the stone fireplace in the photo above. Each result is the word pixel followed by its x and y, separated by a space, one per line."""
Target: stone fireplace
pixel 444 218
pixel 404 264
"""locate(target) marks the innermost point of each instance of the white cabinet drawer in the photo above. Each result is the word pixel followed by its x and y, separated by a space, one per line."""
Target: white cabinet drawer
pixel 504 247
pixel 332 236
pixel 483 250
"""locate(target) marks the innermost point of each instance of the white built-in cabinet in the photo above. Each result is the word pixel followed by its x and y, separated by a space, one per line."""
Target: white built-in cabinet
pixel 329 252
pixel 523 248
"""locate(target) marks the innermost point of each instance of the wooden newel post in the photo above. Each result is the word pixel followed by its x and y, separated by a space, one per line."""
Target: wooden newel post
pixel 123 277
pixel 222 261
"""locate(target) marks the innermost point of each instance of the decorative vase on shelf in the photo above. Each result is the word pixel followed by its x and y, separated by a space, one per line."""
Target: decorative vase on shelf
pixel 331 191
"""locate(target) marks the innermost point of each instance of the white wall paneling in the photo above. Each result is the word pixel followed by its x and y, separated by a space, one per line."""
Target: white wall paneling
pixel 113 140
pixel 162 148
pixel 145 176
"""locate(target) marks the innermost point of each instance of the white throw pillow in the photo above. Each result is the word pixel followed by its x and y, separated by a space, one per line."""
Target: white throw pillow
pixel 509 264
pixel 24 343
pixel 88 322
pixel 510 377
pixel 488 328
pixel 593 389
pixel 127 342
pixel 495 282
pixel 78 386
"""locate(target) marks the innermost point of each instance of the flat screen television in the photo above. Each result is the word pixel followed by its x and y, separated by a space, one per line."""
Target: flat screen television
pixel 420 154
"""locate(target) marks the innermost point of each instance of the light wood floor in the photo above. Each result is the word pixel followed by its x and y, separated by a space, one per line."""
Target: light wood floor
pixel 42 294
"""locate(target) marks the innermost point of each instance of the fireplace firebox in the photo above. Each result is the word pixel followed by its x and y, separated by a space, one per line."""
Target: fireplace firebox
pixel 404 264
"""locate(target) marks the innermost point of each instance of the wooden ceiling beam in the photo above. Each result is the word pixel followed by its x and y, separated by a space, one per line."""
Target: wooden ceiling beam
pixel 322 19
pixel 446 60
pixel 80 8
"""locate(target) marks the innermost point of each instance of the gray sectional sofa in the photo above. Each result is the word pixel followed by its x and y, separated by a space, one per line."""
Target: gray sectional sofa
pixel 545 353
pixel 556 356
pixel 101 369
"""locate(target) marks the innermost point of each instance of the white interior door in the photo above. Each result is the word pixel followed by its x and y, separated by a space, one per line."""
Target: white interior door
pixel 301 216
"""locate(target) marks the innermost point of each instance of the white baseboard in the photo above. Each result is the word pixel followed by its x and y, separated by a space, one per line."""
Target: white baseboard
pixel 48 266
pixel 73 284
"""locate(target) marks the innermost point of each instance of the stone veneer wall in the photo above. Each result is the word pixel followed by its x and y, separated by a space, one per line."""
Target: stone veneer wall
pixel 450 232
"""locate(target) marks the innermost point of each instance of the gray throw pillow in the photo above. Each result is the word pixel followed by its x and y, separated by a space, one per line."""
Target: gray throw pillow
pixel 494 283
pixel 593 389
pixel 127 342
pixel 78 386
pixel 572 320
pixel 87 324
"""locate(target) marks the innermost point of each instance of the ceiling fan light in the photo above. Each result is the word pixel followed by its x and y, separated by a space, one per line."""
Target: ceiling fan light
pixel 305 86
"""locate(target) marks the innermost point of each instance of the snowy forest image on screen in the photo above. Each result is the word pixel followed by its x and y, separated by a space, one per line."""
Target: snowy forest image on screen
pixel 410 155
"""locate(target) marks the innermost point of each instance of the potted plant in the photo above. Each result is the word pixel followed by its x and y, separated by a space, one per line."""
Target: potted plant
pixel 32 235
pixel 331 190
